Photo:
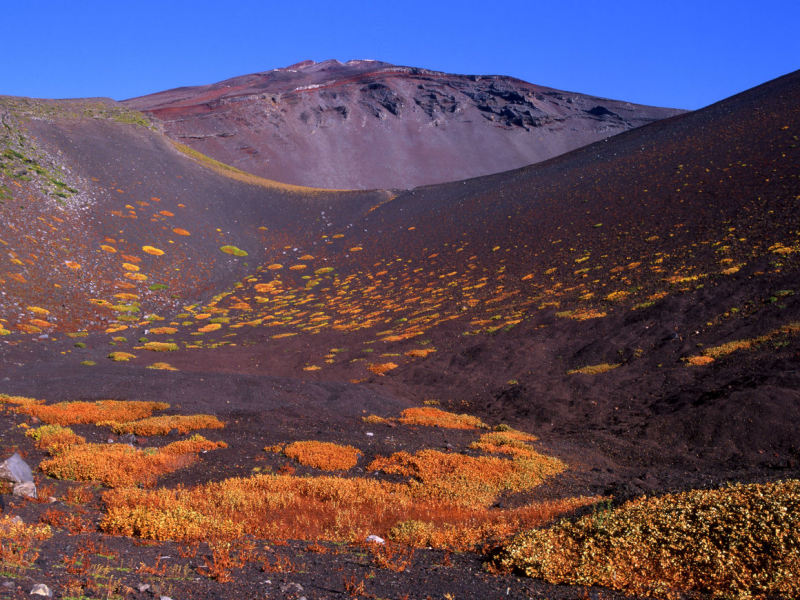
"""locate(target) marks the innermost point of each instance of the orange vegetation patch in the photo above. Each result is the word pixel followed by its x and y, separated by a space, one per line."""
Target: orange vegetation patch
pixel 162 366
pixel 420 352
pixel 467 529
pixel 382 368
pixel 72 413
pixel 321 455
pixel 699 361
pixel 164 424
pixel 713 353
pixel 180 231
pixel 120 356
pixel 163 330
pixel 159 346
pixel 210 327
pixel 22 402
pixel 462 480
pixel 130 267
pixel 54 438
pixel 594 369
pixel 152 250
pixel 120 465
pixel 434 417
pixel 136 276
pixel 18 541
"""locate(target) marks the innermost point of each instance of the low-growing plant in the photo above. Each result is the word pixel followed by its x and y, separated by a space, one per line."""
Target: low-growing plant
pixel 742 541
pixel 325 456
pixel 162 425
pixel 435 417
pixel 18 541
pixel 119 465
pixel 73 413
pixel 54 438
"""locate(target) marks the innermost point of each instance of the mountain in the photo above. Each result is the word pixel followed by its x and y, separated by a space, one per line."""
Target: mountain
pixel 369 124
pixel 630 309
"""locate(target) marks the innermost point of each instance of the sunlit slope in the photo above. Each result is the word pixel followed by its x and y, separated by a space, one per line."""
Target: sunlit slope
pixel 619 225
pixel 105 221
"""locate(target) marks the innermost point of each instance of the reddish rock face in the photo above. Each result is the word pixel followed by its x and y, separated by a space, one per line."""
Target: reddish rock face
pixel 368 124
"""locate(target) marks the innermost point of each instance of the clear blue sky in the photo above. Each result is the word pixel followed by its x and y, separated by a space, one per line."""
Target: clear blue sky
pixel 666 52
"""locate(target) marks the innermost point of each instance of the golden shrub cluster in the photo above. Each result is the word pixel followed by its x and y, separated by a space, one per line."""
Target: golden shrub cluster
pixel 434 417
pixel 713 353
pixel 73 413
pixel 120 465
pixel 381 368
pixel 314 509
pixel 742 541
pixel 594 369
pixel 462 480
pixel 54 438
pixel 321 455
pixel 445 499
pixel 162 425
pixel 18 541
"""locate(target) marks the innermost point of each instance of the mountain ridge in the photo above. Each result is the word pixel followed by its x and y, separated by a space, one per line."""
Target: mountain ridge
pixel 369 124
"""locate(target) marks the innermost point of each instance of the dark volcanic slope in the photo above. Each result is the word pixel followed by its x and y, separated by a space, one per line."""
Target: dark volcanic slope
pixel 368 124
pixel 99 212
pixel 635 304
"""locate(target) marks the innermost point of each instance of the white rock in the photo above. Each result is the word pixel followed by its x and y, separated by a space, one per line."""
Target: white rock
pixel 41 589
pixel 15 469
pixel 26 490
pixel 374 539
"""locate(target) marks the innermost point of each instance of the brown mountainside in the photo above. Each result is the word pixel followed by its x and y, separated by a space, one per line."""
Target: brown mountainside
pixel 368 124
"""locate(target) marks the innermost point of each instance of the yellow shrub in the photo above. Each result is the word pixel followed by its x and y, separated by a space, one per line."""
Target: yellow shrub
pixel 595 369
pixel 736 542
pixel 54 438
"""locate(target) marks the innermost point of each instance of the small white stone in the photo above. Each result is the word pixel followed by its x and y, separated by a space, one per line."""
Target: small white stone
pixel 375 539
pixel 41 589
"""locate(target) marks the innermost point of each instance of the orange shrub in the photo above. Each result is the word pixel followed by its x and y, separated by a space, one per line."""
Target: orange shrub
pixel 323 455
pixel 120 465
pixel 464 480
pixel 434 417
pixel 164 424
pixel 18 540
pixel 193 445
pixel 381 368
pixel 71 413
pixel 54 438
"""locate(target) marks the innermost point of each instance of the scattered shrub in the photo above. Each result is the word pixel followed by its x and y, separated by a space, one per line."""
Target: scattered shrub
pixel 435 417
pixel 121 465
pixel 164 424
pixel 323 455
pixel 73 413
pixel 742 541
pixel 18 541
pixel 54 438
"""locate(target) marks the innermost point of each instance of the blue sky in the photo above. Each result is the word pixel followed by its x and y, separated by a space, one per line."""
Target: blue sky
pixel 669 53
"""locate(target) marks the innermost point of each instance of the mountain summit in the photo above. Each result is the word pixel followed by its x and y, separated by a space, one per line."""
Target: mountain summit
pixel 369 124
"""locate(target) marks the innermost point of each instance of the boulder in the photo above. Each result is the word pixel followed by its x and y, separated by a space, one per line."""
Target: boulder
pixel 16 470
